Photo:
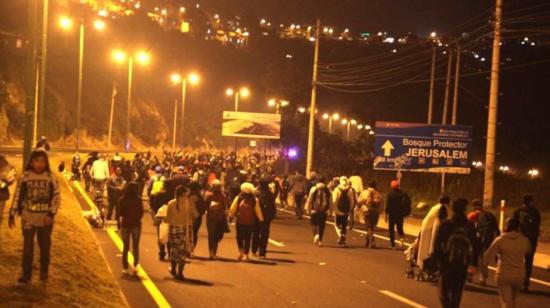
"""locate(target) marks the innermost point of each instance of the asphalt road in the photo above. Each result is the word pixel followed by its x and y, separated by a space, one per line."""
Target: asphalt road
pixel 296 274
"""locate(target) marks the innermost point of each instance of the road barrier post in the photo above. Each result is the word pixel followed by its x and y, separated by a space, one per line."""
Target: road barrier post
pixel 502 207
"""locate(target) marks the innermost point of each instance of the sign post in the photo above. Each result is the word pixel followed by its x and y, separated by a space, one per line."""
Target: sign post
pixel 422 147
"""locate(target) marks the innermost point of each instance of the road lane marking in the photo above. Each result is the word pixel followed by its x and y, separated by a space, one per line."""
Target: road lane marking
pixel 541 282
pixel 147 282
pixel 401 299
pixel 275 243
pixel 149 285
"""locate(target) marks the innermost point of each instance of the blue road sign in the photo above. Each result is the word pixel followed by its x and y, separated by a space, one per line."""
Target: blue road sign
pixel 422 147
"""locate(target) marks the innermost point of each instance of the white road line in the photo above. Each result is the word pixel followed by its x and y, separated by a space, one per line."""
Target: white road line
pixel 541 282
pixel 402 299
pixel 275 243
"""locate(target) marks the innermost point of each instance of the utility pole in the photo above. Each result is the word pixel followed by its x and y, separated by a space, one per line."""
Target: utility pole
pixel 488 191
pixel 30 77
pixel 432 84
pixel 312 108
pixel 43 60
pixel 447 88
pixel 80 72
pixel 174 133
pixel 183 99
pixel 111 115
pixel 457 80
pixel 129 102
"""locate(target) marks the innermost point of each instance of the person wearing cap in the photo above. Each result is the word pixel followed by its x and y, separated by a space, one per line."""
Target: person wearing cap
pixel 216 216
pixel 343 203
pixel 247 211
pixel 397 206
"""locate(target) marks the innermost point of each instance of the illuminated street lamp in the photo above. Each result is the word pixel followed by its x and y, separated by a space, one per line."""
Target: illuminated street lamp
pixel 477 164
pixel 504 169
pixel 193 79
pixel 348 124
pixel 302 110
pixel 243 92
pixel 66 23
pixel 331 118
pixel 277 103
pixel 141 57
pixel 533 173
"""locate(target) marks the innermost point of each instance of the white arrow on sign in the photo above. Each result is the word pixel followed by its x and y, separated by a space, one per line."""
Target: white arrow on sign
pixel 387 147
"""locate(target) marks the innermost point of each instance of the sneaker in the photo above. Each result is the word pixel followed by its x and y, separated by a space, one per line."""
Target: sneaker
pixel 135 270
pixel 316 239
pixel 126 271
pixel 263 257
pixel 172 271
pixel 180 277
pixel 44 276
pixel 392 246
pixel 23 281
pixel 240 257
pixel 246 258
pixel 319 244
pixel 402 243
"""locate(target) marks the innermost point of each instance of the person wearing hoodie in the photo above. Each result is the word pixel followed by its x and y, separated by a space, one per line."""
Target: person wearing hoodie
pixel 246 209
pixel 370 201
pixel 298 189
pixel 318 205
pixel 129 215
pixel 36 200
pixel 511 248
pixel 216 217
pixel 343 203
pixel 398 205
pixel 453 250
pixel 100 174
pixel 266 199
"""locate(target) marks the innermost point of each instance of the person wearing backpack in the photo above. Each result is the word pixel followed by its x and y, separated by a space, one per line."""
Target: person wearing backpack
pixel 529 225
pixel 453 250
pixel 298 188
pixel 512 248
pixel 318 205
pixel 486 227
pixel 156 189
pixel 36 200
pixel 266 199
pixel 216 217
pixel 246 209
pixel 343 203
pixel 398 206
pixel 196 200
pixel 370 201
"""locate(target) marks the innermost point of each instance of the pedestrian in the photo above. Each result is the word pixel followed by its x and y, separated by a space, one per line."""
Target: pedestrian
pixel 36 200
pixel 370 201
pixel 343 203
pixel 129 218
pixel 7 177
pixel 512 247
pixel 529 225
pixel 216 217
pixel 266 199
pixel 99 174
pixel 283 196
pixel 486 228
pixel 115 185
pixel 429 228
pixel 318 206
pixel 43 144
pixel 398 206
pixel 75 166
pixel 246 209
pixel 180 215
pixel 196 200
pixel 453 250
pixel 156 190
pixel 298 189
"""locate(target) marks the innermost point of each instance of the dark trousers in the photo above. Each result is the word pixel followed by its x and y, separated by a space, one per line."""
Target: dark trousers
pixel 392 224
pixel 44 238
pixel 318 222
pixel 215 235
pixel 299 205
pixel 260 237
pixel 134 234
pixel 529 261
pixel 451 286
pixel 342 225
pixel 113 201
pixel 196 226
pixel 244 236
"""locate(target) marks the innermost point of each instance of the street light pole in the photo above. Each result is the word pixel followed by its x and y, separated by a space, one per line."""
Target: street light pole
pixel 129 103
pixel 43 58
pixel 330 125
pixel 455 92
pixel 311 131
pixel 30 74
pixel 80 72
pixel 447 88
pixel 349 129
pixel 432 83
pixel 111 115
pixel 488 191
pixel 183 99
pixel 236 109
pixel 174 131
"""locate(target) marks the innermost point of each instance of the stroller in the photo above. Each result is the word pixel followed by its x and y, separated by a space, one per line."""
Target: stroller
pixel 427 273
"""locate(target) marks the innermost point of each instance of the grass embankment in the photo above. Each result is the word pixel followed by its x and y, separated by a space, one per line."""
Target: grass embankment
pixel 79 274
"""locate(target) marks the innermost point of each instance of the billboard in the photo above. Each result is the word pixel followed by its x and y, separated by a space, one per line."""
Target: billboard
pixel 251 125
pixel 422 147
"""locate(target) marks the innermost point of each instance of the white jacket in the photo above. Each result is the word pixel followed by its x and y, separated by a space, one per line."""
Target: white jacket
pixel 100 170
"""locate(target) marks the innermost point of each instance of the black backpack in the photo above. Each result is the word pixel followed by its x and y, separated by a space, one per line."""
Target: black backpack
pixel 344 203
pixel 458 249
pixel 487 227
pixel 527 223
pixel 321 200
